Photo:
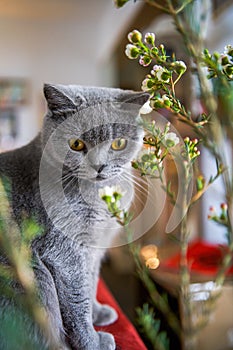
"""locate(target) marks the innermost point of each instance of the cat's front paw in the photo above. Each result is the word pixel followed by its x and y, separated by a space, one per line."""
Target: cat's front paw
pixel 103 315
pixel 107 341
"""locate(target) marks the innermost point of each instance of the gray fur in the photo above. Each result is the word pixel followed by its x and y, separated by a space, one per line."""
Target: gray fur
pixel 59 187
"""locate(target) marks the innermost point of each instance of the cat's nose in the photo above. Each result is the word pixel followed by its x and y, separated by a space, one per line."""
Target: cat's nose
pixel 98 167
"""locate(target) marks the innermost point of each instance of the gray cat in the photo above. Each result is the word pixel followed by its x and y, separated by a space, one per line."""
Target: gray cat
pixel 88 139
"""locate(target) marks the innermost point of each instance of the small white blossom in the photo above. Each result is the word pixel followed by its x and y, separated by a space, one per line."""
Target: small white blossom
pixel 165 98
pixel 145 85
pixel 181 64
pixel 180 67
pixel 145 61
pixel 135 36
pixel 143 152
pixel 157 103
pixel 171 139
pixel 158 71
pixel 228 50
pixel 146 108
pixel 150 38
pixel 108 191
pixel 131 51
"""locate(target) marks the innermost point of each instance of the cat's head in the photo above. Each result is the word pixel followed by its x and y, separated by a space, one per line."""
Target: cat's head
pixel 93 132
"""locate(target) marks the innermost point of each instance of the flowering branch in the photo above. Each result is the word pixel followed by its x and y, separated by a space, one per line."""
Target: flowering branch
pixel 211 127
pixel 123 217
pixel 15 242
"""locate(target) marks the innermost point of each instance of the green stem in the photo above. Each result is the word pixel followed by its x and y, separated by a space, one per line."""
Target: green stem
pixel 182 7
pixel 158 300
pixel 155 4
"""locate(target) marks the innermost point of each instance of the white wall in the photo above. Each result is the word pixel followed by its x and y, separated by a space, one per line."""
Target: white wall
pixel 58 41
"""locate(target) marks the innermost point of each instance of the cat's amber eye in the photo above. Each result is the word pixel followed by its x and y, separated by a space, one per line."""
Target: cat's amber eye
pixel 119 144
pixel 76 145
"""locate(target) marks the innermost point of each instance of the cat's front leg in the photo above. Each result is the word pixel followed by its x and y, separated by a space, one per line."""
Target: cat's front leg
pixel 102 314
pixel 73 279
pixel 49 299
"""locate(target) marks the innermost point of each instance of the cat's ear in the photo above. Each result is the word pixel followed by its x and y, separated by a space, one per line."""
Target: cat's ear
pixel 137 98
pixel 58 100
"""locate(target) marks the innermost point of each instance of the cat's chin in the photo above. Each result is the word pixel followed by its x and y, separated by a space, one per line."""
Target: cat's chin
pixel 100 179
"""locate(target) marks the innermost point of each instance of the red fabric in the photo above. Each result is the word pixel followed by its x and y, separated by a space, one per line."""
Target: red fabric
pixel 125 334
pixel 203 258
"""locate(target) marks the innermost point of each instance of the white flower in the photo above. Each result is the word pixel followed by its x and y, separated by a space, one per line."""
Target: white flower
pixel 156 69
pixel 158 102
pixel 228 50
pixel 171 139
pixel 159 72
pixel 145 61
pixel 180 67
pixel 143 152
pixel 181 64
pixel 165 98
pixel 150 38
pixel 135 36
pixel 146 108
pixel 132 51
pixel 145 86
pixel 109 191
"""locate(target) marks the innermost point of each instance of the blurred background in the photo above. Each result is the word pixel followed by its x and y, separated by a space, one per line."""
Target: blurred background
pixel 83 42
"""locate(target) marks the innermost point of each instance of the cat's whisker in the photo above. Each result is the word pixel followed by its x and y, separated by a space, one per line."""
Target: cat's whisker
pixel 139 179
pixel 141 191
pixel 140 196
pixel 139 187
pixel 70 183
pixel 137 176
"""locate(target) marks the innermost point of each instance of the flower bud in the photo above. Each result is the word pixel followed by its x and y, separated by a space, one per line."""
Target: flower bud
pixel 134 164
pixel 152 263
pixel 206 53
pixel 224 60
pixel 135 37
pixel 200 182
pixel 149 251
pixel 229 71
pixel 224 206
pixel 216 55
